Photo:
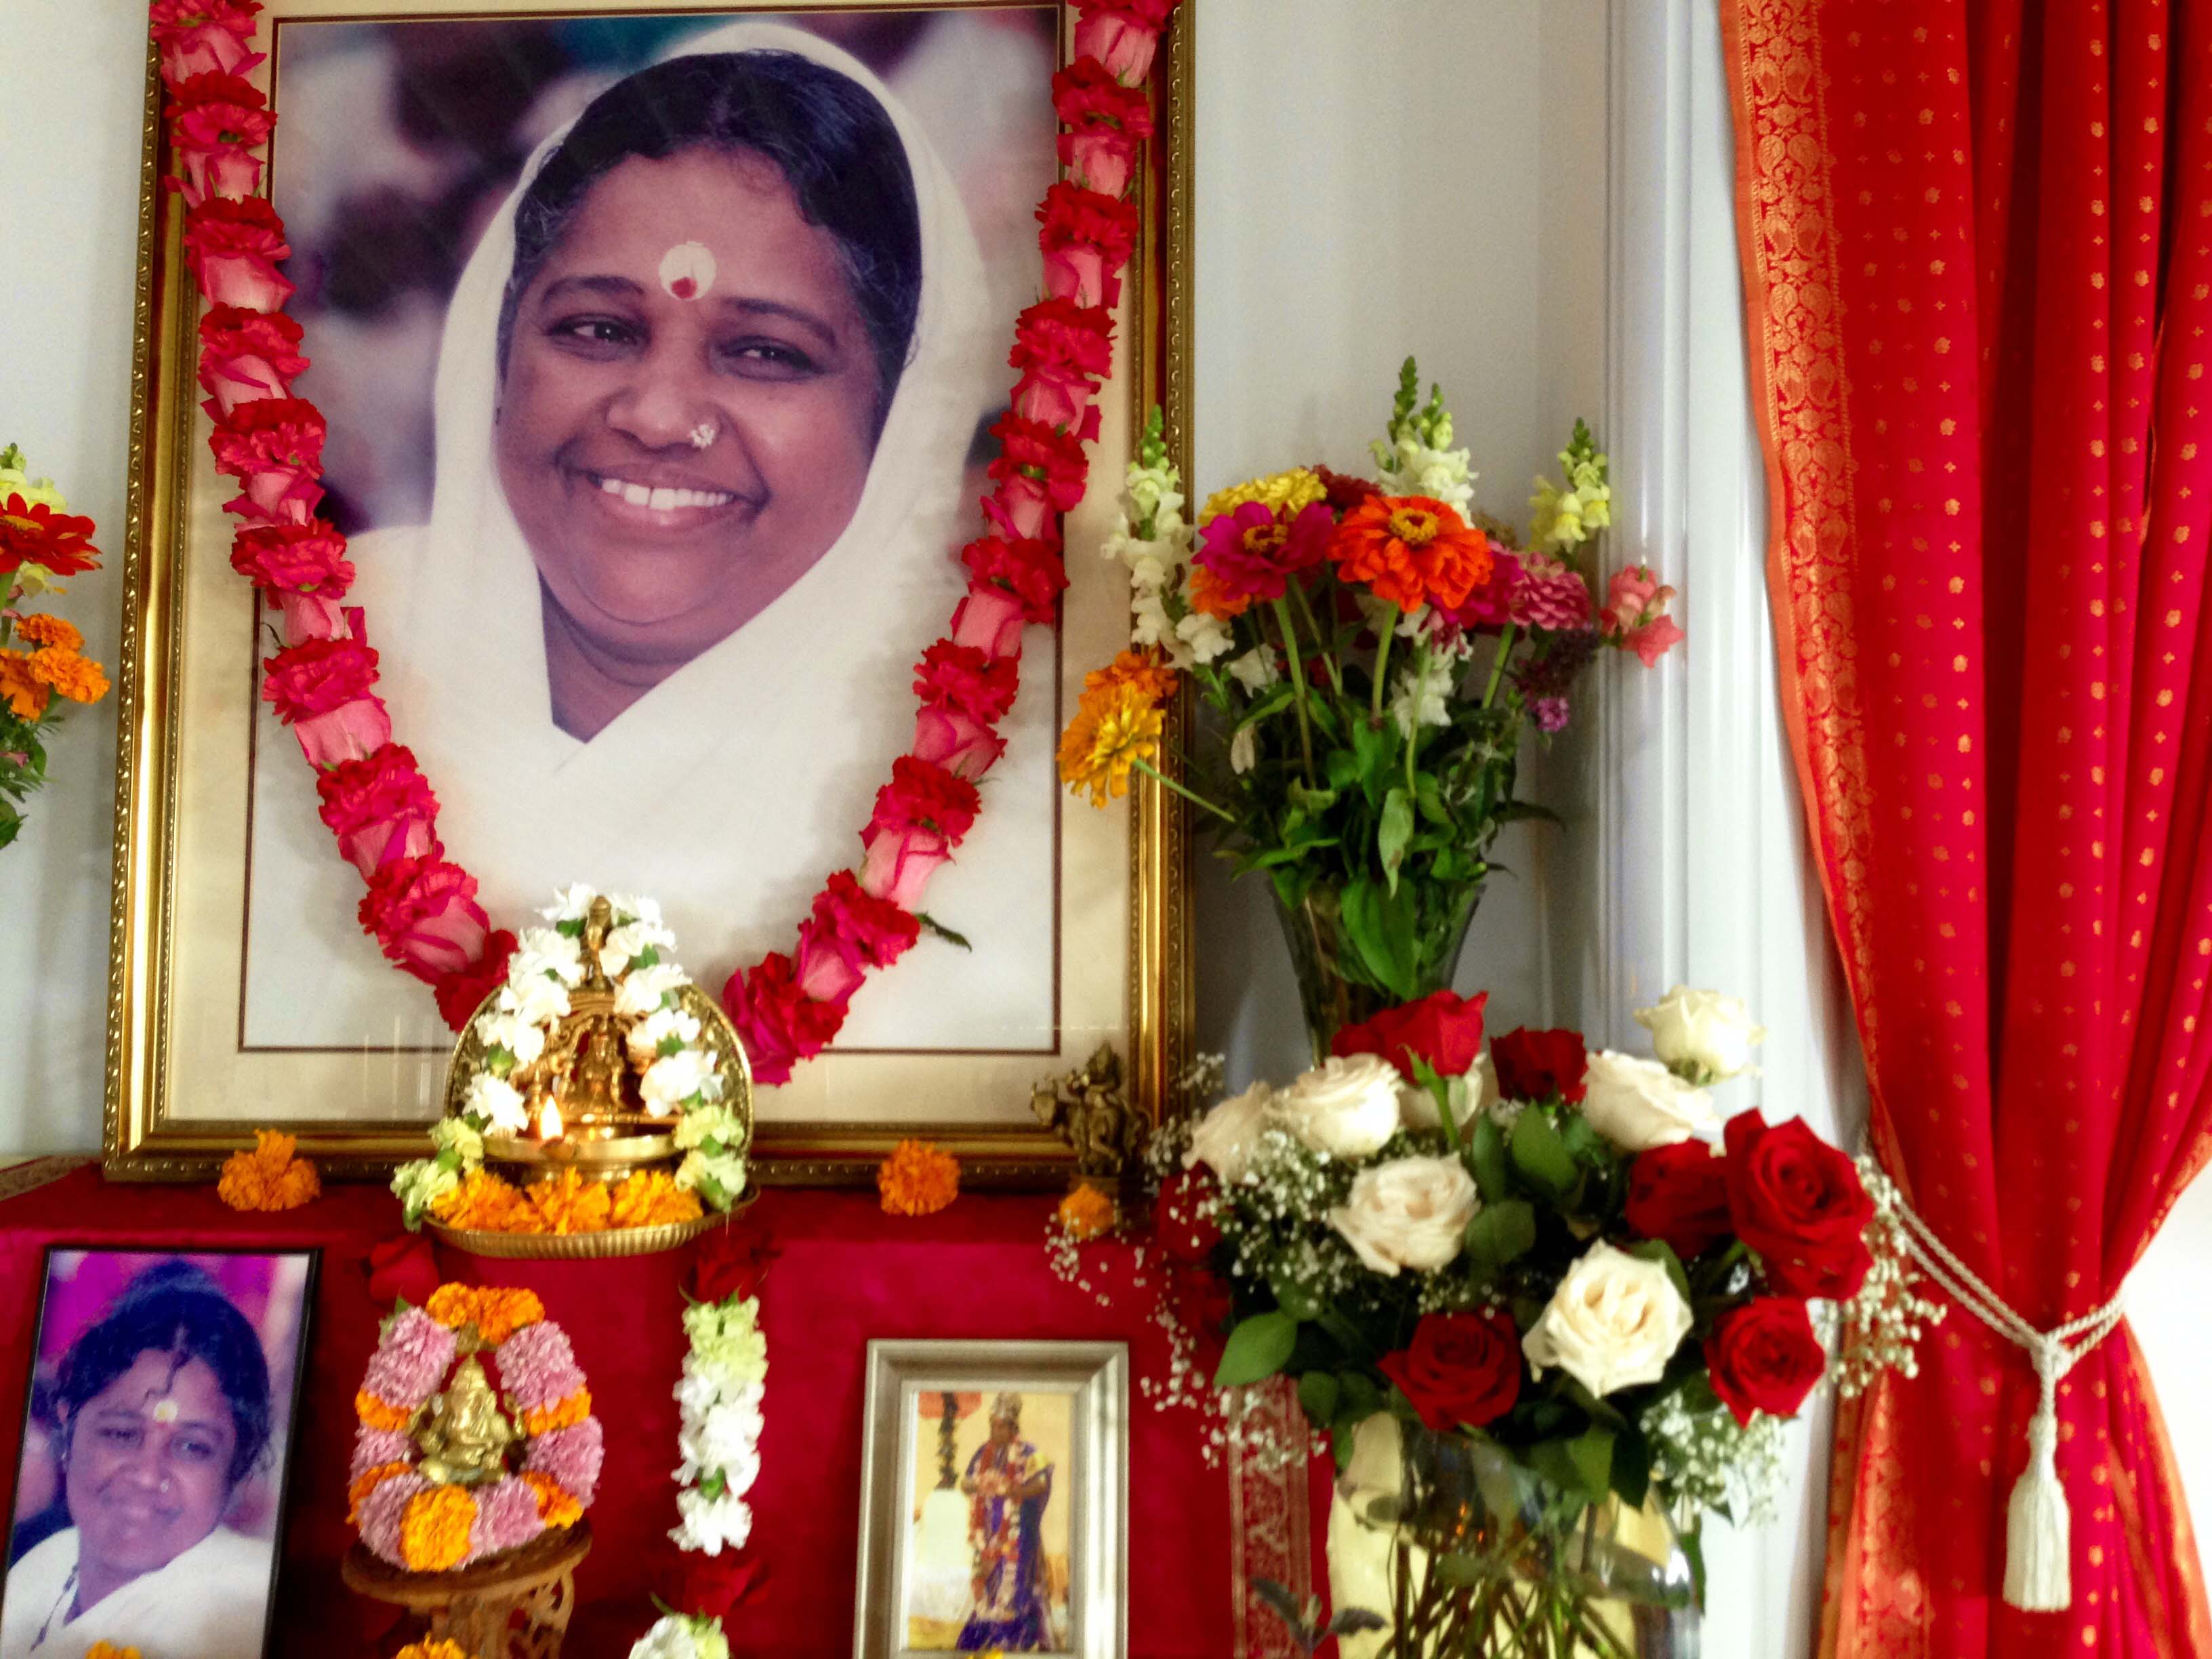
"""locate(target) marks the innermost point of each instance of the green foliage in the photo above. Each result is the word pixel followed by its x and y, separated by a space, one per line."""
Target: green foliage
pixel 1258 1348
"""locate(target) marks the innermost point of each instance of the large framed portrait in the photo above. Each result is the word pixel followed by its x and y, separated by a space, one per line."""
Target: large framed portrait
pixel 620 655
pixel 150 1493
pixel 994 1500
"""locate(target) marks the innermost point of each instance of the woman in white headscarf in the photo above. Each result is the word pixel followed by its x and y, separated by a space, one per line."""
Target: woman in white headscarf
pixel 707 393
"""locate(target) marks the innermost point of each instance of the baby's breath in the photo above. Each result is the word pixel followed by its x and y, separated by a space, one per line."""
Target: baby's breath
pixel 1880 1329
pixel 1709 1460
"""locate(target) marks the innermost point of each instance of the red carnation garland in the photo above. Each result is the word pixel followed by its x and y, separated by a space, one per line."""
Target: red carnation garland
pixel 422 908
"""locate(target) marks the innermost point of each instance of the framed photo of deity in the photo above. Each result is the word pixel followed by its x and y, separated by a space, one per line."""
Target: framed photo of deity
pixel 995 1500
pixel 634 375
pixel 150 1490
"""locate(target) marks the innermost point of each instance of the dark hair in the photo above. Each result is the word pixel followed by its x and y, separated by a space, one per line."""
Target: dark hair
pixel 174 1308
pixel 834 142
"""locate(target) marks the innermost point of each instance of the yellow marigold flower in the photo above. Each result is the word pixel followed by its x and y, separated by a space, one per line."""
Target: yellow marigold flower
pixel 269 1177
pixel 434 1528
pixel 1115 726
pixel 1147 670
pixel 78 678
pixel 918 1179
pixel 1285 494
pixel 651 1198
pixel 567 1203
pixel 557 1507
pixel 50 630
pixel 561 1414
pixel 367 1484
pixel 1087 1213
pixel 22 691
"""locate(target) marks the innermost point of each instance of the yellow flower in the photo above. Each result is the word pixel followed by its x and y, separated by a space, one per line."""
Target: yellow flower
pixel 109 1650
pixel 35 492
pixel 434 1528
pixel 918 1179
pixel 1115 726
pixel 1286 494
pixel 1087 1213
pixel 567 1203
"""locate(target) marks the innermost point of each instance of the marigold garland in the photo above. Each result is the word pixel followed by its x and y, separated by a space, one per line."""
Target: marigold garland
pixel 560 1415
pixel 380 1414
pixel 423 910
pixel 556 1506
pixel 368 1482
pixel 918 1178
pixel 109 1650
pixel 496 1312
pixel 484 1202
pixel 272 1176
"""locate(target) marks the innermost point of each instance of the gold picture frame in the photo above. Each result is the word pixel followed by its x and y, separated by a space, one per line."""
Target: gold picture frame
pixel 160 1125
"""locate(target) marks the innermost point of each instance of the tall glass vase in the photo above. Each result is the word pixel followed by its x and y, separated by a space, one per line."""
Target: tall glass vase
pixel 1465 1553
pixel 1337 988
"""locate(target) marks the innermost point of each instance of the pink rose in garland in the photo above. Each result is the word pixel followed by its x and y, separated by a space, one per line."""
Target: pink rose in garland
pixel 964 694
pixel 1444 1029
pixel 851 933
pixel 213 118
pixel 274 447
pixel 1764 1357
pixel 990 620
pixel 1040 471
pixel 1087 238
pixel 423 911
pixel 380 808
pixel 920 815
pixel 246 355
pixel 1461 1368
pixel 1107 125
pixel 199 37
pixel 1798 1202
pixel 323 689
pixel 780 1024
pixel 1063 352
pixel 234 248
pixel 1122 34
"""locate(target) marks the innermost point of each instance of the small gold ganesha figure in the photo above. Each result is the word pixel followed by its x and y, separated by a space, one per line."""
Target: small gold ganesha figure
pixel 465 1438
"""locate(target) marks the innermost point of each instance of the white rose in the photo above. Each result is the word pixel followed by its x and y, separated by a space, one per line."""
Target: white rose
pixel 1614 1322
pixel 641 989
pixel 673 1079
pixel 1225 1139
pixel 1705 1035
pixel 1471 1095
pixel 1345 1107
pixel 1410 1213
pixel 498 1102
pixel 1638 1104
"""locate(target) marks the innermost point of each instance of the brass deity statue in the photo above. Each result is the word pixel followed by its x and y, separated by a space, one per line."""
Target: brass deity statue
pixel 1088 1110
pixel 584 1070
pixel 465 1437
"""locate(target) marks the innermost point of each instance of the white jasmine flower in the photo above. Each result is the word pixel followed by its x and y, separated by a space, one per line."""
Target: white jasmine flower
pixel 625 944
pixel 1702 1036
pixel 711 1523
pixel 537 1001
pixel 1638 1104
pixel 1243 749
pixel 673 1079
pixel 643 989
pixel 635 907
pixel 498 1102
pixel 1256 670
pixel 1614 1322
pixel 1206 635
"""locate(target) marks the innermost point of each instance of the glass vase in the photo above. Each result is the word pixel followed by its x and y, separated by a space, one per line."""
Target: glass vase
pixel 1465 1553
pixel 1336 988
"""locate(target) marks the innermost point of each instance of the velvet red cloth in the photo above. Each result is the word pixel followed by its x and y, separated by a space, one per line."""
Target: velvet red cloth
pixel 1978 252
pixel 847 1273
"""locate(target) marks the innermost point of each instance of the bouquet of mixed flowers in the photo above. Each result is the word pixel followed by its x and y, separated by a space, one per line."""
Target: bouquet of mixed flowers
pixel 1372 652
pixel 1553 1276
pixel 42 667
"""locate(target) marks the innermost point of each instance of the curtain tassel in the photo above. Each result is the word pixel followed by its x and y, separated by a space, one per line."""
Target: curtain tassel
pixel 2038 1522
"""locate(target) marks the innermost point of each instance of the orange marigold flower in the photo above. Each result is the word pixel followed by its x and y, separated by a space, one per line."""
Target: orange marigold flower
pixel 557 1507
pixel 561 1414
pixel 567 1203
pixel 1412 550
pixel 651 1198
pixel 78 678
pixel 1211 597
pixel 367 1484
pixel 377 1414
pixel 1087 1213
pixel 1115 726
pixel 269 1177
pixel 109 1650
pixel 918 1179
pixel 498 1311
pixel 434 1528
pixel 1147 670
pixel 25 692
pixel 50 630
pixel 439 1649
pixel 485 1203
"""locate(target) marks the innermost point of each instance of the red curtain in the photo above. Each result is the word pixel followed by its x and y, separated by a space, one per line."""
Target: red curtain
pixel 1976 241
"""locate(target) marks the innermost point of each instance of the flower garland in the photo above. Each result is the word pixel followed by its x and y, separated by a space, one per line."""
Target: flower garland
pixel 719 1396
pixel 678 1076
pixel 421 908
pixel 409 1521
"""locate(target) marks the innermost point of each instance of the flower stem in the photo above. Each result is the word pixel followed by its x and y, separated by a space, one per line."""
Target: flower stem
pixel 1497 667
pixel 1413 736
pixel 1165 781
pixel 1320 640
pixel 1297 679
pixel 1381 664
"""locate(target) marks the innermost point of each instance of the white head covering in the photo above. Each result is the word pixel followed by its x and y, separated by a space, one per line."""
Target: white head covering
pixel 732 788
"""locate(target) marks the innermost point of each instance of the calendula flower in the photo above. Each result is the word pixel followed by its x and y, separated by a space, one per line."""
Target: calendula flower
pixel 50 630
pixel 25 694
pixel 1087 1213
pixel 269 1177
pixel 1284 492
pixel 78 678
pixel 918 1179
pixel 1114 728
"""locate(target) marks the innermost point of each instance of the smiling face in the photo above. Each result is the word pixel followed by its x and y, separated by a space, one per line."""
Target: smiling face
pixel 149 1460
pixel 676 463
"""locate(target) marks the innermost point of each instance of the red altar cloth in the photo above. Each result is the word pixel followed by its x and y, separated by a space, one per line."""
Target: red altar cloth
pixel 847 1273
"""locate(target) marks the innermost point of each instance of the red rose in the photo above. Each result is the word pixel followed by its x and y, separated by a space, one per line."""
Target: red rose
pixel 1122 34
pixel 732 1262
pixel 1798 1201
pixel 991 619
pixel 424 913
pixel 1461 1368
pixel 1086 95
pixel 1537 1065
pixel 1184 1218
pixel 1443 1028
pixel 234 248
pixel 402 1268
pixel 462 992
pixel 196 37
pixel 1680 1194
pixel 1031 571
pixel 380 808
pixel 965 679
pixel 711 1586
pixel 780 1023
pixel 299 558
pixel 1764 1357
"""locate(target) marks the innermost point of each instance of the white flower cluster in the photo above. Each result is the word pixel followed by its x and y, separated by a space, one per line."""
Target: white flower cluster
pixel 1880 1329
pixel 679 1637
pixel 725 1380
pixel 1708 1459
pixel 1154 541
pixel 1563 516
pixel 677 1074
pixel 1417 459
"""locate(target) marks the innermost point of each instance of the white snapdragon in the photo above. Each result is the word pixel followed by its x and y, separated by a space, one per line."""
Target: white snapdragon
pixel 1424 694
pixel 1411 467
pixel 1243 751
pixel 1205 635
pixel 497 1102
pixel 1255 671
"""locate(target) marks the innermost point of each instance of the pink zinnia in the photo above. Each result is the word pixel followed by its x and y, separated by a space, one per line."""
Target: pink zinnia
pixel 1555 597
pixel 1253 553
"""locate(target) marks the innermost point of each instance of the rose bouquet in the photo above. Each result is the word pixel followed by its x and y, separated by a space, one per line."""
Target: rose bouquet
pixel 42 667
pixel 1547 1309
pixel 1371 653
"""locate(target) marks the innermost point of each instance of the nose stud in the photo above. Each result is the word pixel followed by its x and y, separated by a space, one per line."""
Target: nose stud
pixel 703 435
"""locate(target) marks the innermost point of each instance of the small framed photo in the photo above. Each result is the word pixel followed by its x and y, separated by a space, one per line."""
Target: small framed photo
pixel 150 1493
pixel 995 1500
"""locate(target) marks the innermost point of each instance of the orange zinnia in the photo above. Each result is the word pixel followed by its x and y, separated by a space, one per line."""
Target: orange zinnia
pixel 1412 550
pixel 1211 597
pixel 25 693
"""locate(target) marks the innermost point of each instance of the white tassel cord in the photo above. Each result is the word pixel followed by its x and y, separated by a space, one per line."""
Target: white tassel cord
pixel 2038 1524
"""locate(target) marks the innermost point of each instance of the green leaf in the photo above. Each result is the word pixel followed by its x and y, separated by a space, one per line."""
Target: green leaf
pixel 1313 801
pixel 1582 1465
pixel 1318 1393
pixel 1541 1156
pixel 942 931
pixel 1501 1232
pixel 1376 749
pixel 1296 1299
pixel 1485 1158
pixel 1658 1250
pixel 1393 832
pixel 1257 1348
pixel 1382 929
pixel 1632 1468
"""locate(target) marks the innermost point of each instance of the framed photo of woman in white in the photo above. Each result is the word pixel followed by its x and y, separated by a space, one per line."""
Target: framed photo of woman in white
pixel 659 354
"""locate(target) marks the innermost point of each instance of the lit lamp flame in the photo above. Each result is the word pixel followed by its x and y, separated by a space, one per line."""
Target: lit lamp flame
pixel 549 1122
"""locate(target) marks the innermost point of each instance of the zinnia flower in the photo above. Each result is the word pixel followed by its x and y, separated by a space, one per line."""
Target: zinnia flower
pixel 1288 492
pixel 1253 551
pixel 1210 596
pixel 918 1179
pixel 1114 728
pixel 1412 550
pixel 31 532
pixel 1147 671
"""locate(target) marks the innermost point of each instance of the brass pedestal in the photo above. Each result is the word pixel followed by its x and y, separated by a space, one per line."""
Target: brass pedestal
pixel 514 1607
